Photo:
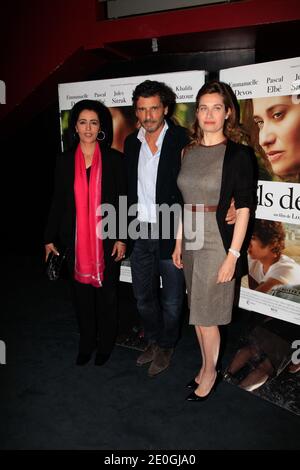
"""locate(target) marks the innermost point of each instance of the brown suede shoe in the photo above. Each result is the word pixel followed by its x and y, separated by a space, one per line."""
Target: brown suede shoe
pixel 148 355
pixel 161 361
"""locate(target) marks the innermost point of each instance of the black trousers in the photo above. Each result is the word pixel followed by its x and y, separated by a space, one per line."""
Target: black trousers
pixel 97 311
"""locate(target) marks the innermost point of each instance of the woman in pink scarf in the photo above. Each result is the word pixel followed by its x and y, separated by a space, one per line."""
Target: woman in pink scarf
pixel 87 177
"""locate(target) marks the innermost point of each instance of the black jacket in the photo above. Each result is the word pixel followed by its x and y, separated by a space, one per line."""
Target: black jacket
pixel 167 191
pixel 239 180
pixel 60 228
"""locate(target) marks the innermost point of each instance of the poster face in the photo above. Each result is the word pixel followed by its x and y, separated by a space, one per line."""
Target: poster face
pixel 269 99
pixel 273 124
pixel 274 240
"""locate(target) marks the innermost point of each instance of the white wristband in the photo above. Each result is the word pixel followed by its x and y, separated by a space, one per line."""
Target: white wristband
pixel 234 252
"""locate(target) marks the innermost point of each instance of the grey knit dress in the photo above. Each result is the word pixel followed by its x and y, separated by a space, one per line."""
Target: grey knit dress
pixel 199 181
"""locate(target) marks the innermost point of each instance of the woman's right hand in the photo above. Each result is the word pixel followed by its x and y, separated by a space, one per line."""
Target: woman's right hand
pixel 48 248
pixel 176 256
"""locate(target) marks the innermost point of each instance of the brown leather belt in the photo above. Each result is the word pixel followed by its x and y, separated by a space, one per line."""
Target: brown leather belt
pixel 200 208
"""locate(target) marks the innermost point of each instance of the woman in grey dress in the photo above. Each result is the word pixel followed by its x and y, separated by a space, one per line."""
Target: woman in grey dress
pixel 214 170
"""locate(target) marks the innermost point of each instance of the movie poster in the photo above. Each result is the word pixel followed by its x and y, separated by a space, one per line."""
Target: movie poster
pixel 267 358
pixel 116 94
pixel 269 98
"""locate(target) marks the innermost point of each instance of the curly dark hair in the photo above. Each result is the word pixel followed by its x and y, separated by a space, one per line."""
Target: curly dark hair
pixel 232 128
pixel 272 233
pixel 150 88
pixel 104 116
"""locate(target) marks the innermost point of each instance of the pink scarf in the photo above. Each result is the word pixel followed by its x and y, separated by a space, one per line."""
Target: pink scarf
pixel 89 254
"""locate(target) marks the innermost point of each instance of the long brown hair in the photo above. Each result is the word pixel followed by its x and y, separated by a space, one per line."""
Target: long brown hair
pixel 232 128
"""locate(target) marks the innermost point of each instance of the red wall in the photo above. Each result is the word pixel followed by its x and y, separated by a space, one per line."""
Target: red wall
pixel 38 36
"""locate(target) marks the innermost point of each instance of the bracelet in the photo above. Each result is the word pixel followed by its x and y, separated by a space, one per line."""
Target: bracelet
pixel 234 252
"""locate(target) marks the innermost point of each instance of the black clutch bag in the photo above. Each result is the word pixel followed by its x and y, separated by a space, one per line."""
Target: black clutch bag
pixel 56 265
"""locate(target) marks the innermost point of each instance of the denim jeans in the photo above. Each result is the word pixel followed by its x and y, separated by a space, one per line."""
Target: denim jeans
pixel 160 308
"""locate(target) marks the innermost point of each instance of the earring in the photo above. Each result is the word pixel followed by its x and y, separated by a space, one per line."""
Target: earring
pixel 102 135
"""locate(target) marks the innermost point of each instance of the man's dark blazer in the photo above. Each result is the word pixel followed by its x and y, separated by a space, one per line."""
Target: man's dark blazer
pixel 239 181
pixel 60 228
pixel 167 192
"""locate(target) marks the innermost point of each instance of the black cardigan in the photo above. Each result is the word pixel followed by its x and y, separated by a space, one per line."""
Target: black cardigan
pixel 167 192
pixel 60 228
pixel 239 180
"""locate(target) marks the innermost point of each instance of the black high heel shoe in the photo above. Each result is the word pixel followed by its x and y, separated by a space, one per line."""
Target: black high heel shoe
pixel 192 384
pixel 193 397
pixel 83 359
pixel 101 359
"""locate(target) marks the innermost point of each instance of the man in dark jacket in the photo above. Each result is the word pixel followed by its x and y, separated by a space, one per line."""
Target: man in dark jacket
pixel 154 158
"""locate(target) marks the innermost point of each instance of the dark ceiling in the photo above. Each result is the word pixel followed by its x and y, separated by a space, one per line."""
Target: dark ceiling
pixel 211 51
pixel 270 41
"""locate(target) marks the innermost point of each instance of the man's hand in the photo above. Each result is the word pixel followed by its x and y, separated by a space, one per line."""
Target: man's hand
pixel 231 214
